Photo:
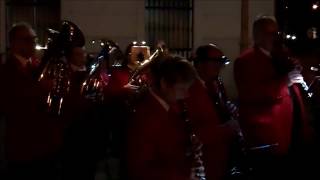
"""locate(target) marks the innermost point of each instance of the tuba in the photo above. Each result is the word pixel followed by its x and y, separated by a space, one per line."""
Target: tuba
pixel 100 71
pixel 54 67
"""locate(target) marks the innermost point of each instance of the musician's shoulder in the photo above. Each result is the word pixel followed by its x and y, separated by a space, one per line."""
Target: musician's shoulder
pixel 120 71
pixel 248 53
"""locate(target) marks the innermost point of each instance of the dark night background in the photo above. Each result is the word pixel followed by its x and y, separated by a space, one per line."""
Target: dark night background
pixel 296 17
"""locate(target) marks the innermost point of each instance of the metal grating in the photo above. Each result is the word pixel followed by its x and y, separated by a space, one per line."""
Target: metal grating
pixel 40 14
pixel 170 21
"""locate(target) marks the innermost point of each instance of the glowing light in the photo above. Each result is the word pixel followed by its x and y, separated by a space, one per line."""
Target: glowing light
pixel 314 69
pixel 60 105
pixel 315 6
pixel 134 42
pixel 294 37
pixel 143 42
pixel 102 44
pixel 93 42
pixel 288 36
pixel 38 47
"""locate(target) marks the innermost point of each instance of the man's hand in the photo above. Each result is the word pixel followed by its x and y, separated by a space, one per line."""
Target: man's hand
pixel 295 77
pixel 131 87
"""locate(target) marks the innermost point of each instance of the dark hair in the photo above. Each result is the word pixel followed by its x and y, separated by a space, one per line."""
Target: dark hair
pixel 172 69
pixel 17 27
pixel 260 23
pixel 202 55
pixel 126 54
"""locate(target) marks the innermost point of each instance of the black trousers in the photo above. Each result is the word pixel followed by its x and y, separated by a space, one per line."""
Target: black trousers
pixel 35 170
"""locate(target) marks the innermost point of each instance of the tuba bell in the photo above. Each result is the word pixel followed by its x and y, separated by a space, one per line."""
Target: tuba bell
pixel 54 67
pixel 100 71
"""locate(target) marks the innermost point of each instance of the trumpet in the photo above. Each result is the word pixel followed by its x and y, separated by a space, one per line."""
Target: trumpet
pixel 134 78
pixel 136 81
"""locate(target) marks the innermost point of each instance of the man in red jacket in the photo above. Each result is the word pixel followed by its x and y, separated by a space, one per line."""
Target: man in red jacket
pixel 271 108
pixel 32 139
pixel 159 137
pixel 209 62
pixel 209 91
pixel 85 133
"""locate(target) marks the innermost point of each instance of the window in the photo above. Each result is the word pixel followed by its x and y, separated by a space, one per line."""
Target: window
pixel 40 14
pixel 170 21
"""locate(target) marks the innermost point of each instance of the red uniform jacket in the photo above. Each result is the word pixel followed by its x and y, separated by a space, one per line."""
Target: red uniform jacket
pixel 157 142
pixel 266 108
pixel 204 113
pixel 30 133
pixel 118 79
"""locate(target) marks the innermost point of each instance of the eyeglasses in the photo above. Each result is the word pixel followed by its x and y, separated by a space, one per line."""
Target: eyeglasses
pixel 221 59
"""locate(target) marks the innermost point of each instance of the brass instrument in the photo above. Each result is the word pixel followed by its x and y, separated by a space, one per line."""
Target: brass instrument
pixel 136 83
pixel 92 86
pixel 227 109
pixel 54 67
pixel 134 78
pixel 315 81
pixel 229 113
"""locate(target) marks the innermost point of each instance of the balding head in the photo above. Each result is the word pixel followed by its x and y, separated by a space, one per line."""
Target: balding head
pixel 22 40
pixel 265 31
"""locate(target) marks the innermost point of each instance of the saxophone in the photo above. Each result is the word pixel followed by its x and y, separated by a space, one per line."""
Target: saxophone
pixel 194 150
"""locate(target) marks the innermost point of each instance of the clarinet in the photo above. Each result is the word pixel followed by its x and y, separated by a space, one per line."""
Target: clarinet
pixel 225 105
pixel 239 169
pixel 194 150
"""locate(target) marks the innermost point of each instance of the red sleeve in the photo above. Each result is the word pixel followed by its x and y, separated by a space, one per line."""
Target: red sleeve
pixel 115 88
pixel 253 86
pixel 142 153
pixel 217 150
